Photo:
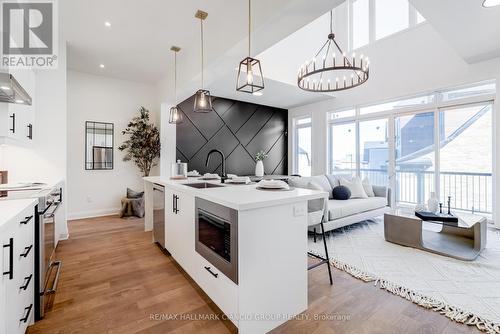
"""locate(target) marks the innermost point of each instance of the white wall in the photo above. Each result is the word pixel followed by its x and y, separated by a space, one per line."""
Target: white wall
pixel 410 62
pixel 45 159
pixel 98 98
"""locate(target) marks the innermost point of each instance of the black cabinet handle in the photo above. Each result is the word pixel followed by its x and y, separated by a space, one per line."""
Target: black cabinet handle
pixel 173 203
pixel 27 250
pixel 13 128
pixel 10 272
pixel 27 279
pixel 175 208
pixel 27 311
pixel 210 271
pixel 30 131
pixel 26 220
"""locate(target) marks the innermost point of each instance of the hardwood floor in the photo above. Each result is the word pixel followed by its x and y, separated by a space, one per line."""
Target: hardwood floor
pixel 114 280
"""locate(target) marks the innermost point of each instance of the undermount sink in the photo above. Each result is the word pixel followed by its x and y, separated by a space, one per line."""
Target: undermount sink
pixel 203 185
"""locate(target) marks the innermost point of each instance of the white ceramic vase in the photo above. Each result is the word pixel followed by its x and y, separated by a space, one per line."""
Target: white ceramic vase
pixel 259 168
pixel 433 203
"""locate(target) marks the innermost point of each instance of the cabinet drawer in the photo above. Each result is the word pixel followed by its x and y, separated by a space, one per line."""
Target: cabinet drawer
pixel 217 286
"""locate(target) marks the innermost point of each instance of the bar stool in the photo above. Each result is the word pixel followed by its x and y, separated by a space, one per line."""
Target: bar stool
pixel 316 213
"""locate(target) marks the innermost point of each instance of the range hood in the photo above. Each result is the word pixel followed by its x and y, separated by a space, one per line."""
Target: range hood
pixel 11 91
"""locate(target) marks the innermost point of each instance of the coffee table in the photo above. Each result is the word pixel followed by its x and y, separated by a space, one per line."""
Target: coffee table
pixel 463 240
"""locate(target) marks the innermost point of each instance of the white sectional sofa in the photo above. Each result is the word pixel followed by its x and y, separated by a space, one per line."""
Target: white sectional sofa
pixel 339 213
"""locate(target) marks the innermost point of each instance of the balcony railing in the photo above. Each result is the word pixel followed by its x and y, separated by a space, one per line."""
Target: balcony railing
pixel 469 191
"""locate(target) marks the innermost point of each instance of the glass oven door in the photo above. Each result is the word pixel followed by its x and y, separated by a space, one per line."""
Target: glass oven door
pixel 215 233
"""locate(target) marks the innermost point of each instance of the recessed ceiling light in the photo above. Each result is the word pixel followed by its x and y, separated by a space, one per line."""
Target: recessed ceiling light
pixel 102 66
pixel 491 3
pixel 5 88
pixel 259 93
pixel 107 24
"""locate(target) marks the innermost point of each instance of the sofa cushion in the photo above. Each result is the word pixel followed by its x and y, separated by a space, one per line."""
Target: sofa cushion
pixel 339 209
pixel 341 193
pixel 334 178
pixel 320 180
pixel 367 186
pixel 355 186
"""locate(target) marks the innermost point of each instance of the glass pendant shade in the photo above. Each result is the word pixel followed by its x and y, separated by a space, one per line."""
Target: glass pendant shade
pixel 175 116
pixel 202 101
pixel 250 79
pixel 202 98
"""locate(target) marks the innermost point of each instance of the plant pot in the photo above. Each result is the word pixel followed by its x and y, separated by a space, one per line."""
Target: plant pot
pixel 259 168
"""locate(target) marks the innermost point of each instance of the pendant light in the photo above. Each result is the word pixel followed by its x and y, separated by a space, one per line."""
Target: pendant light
pixel 250 79
pixel 175 113
pixel 202 99
pixel 322 73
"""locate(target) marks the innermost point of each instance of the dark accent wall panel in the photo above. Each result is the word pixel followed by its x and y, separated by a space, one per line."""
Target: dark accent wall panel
pixel 240 130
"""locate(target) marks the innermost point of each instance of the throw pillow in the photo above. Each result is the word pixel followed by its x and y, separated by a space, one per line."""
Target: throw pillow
pixel 341 193
pixel 314 186
pixel 134 194
pixel 323 182
pixel 368 187
pixel 355 186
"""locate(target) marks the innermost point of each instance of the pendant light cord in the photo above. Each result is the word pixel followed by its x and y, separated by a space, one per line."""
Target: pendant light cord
pixel 249 27
pixel 331 22
pixel 175 78
pixel 201 23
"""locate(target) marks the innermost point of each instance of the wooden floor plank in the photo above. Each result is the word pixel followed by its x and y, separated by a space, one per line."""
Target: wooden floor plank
pixel 114 280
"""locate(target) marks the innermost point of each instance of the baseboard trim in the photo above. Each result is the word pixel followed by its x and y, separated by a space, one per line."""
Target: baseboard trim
pixel 93 214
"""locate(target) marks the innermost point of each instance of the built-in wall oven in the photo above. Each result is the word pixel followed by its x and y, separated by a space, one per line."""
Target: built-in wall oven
pixel 217 236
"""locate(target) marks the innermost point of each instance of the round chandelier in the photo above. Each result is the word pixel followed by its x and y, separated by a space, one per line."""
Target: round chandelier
pixel 330 71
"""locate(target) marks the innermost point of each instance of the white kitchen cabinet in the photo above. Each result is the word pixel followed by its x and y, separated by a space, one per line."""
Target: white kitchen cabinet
pixel 179 226
pixel 17 264
pixel 17 121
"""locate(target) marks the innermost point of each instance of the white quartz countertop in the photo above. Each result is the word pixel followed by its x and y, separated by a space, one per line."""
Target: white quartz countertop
pixel 239 197
pixel 10 208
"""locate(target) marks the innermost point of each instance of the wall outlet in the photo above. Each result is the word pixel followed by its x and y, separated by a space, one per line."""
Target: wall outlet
pixel 299 210
pixel 89 199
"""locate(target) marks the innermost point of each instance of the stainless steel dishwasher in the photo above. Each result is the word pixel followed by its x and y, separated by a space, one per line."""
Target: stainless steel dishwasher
pixel 159 214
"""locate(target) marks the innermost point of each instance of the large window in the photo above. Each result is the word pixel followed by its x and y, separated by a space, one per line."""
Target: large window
pixel 342 145
pixel 371 20
pixel 414 157
pixel 302 150
pixel 466 131
pixel 360 23
pixel 437 142
pixel 374 150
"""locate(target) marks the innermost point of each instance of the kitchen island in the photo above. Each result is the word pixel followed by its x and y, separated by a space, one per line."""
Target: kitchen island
pixel 254 267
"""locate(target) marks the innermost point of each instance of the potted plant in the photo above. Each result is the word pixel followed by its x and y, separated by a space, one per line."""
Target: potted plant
pixel 143 145
pixel 259 166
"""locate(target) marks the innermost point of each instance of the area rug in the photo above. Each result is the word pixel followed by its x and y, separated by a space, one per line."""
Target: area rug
pixel 464 291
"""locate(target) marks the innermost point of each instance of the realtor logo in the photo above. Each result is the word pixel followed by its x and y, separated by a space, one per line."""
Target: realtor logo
pixel 29 37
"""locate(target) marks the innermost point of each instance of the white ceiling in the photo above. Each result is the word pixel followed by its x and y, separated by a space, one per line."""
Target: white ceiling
pixel 137 45
pixel 285 33
pixel 474 31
